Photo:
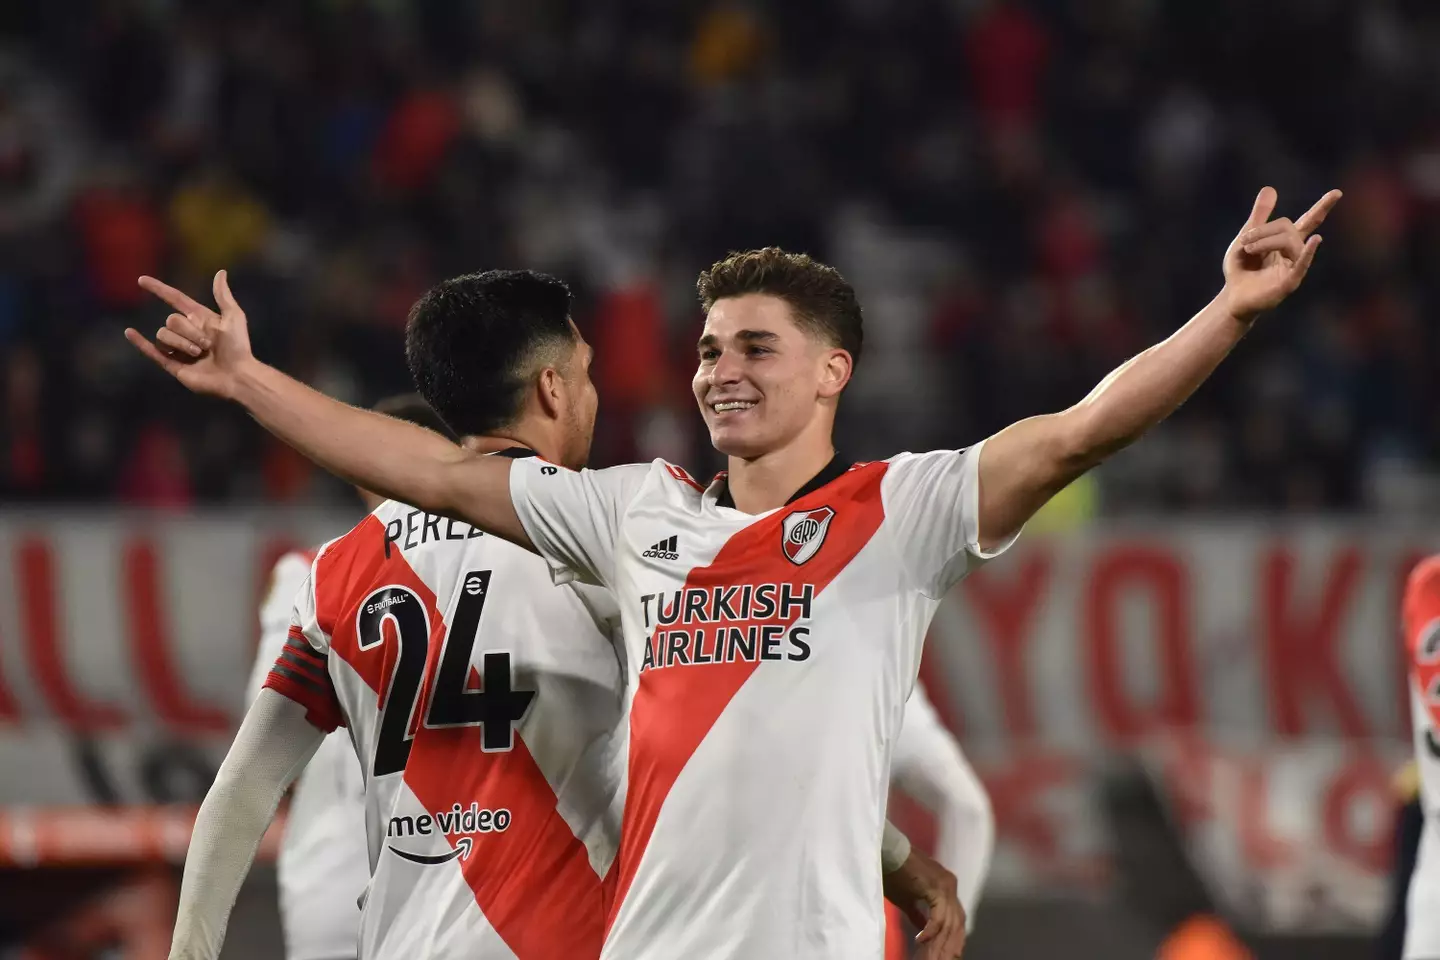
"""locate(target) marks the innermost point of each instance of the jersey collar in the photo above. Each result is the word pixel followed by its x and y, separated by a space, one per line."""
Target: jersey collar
pixel 832 471
pixel 516 453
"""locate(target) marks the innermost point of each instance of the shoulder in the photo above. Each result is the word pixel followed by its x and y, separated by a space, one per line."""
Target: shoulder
pixel 293 566
pixel 1424 577
pixel 656 477
pixel 1422 592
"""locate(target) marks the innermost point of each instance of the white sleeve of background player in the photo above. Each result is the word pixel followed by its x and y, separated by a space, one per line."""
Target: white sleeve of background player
pixel 929 766
pixel 274 744
pixel 573 517
pixel 286 579
pixel 932 502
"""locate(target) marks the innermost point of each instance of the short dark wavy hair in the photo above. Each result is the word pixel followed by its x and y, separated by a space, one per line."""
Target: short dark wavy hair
pixel 822 300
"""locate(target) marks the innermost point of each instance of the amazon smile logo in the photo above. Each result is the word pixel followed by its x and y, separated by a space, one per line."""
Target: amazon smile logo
pixel 455 824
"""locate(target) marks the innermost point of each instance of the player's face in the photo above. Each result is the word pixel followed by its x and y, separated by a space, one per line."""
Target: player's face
pixel 762 380
pixel 583 403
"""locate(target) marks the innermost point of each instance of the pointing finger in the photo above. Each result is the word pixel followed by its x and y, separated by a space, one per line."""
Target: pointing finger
pixel 178 299
pixel 1316 215
pixel 1264 206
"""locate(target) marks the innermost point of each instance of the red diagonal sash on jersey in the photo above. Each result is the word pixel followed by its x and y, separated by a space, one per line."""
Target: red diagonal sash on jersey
pixel 673 710
pixel 533 882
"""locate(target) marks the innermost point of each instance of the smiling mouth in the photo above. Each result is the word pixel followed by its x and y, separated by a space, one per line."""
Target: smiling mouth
pixel 732 406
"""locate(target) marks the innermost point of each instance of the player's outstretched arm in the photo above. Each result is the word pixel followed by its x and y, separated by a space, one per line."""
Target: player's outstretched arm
pixel 274 744
pixel 209 353
pixel 1027 463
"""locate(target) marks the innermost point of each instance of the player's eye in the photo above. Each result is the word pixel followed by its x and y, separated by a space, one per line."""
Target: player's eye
pixel 709 355
pixel 755 351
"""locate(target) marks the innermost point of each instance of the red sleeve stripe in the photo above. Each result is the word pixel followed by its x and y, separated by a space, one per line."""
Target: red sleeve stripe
pixel 305 652
pixel 296 634
pixel 305 668
pixel 321 707
pixel 297 677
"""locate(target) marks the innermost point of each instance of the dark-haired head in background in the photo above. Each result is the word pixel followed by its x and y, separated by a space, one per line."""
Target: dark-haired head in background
pixel 496 355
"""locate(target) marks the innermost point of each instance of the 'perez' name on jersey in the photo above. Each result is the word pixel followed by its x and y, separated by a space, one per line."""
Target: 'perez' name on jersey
pixel 417 528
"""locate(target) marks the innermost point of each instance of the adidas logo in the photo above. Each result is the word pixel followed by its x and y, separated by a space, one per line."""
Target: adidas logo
pixel 665 550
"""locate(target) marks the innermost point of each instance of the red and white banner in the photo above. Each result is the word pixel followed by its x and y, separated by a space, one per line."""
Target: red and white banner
pixel 126 640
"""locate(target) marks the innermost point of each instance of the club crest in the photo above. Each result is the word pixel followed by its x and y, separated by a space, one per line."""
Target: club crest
pixel 803 533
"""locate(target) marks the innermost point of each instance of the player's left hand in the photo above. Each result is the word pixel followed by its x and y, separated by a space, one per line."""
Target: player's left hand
pixel 1268 258
pixel 926 892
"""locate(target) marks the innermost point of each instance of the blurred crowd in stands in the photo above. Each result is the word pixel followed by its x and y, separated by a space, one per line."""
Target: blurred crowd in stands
pixel 1023 193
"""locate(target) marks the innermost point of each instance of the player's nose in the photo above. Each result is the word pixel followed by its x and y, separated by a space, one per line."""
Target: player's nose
pixel 727 368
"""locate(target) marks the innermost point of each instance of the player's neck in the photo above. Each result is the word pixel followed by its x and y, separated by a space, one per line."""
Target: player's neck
pixel 768 482
pixel 529 439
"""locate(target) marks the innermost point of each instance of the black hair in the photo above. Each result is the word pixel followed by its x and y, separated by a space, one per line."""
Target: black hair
pixel 412 408
pixel 474 342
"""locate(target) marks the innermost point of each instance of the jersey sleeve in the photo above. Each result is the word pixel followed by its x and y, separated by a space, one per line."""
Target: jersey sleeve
pixel 930 767
pixel 301 671
pixel 286 579
pixel 573 517
pixel 932 501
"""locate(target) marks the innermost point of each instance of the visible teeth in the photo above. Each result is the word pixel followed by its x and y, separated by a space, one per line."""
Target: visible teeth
pixel 733 405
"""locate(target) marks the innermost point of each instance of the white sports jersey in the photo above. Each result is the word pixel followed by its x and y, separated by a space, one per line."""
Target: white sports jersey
pixel 480 700
pixel 324 864
pixel 1422 641
pixel 769 659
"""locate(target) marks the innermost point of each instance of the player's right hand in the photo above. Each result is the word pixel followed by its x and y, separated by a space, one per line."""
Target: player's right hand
pixel 206 351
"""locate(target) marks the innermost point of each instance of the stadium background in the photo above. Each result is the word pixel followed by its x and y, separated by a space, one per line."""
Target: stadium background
pixel 1024 194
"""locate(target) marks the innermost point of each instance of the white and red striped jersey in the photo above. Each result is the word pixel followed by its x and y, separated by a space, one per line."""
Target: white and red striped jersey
pixel 769 659
pixel 1421 617
pixel 324 865
pixel 480 700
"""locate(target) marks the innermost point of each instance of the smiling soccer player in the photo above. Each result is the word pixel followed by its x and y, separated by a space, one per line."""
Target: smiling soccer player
pixel 756 776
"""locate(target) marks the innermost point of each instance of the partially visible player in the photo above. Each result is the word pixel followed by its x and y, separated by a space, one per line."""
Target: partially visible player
pixel 1420 614
pixel 929 767
pixel 758 771
pixel 481 700
pixel 324 863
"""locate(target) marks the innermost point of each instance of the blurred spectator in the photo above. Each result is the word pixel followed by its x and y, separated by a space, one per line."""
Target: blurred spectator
pixel 156 474
pixel 216 223
pixel 121 234
pixel 1024 192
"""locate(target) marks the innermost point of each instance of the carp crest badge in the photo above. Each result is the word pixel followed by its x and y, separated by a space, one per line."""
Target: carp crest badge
pixel 803 532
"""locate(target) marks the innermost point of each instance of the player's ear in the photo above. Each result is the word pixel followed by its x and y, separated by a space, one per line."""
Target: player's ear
pixel 835 372
pixel 550 391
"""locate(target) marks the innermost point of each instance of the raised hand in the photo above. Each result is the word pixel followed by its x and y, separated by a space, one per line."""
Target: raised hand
pixel 204 350
pixel 1269 258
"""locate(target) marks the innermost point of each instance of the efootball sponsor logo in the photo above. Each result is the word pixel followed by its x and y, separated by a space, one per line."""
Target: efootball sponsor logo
pixel 455 824
pixel 667 549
